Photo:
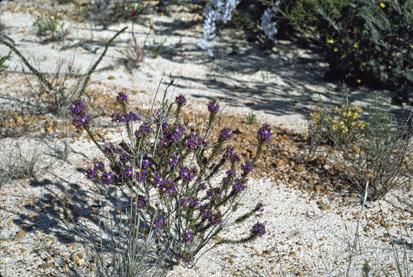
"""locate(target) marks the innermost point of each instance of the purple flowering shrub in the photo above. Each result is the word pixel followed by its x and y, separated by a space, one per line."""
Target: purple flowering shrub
pixel 183 185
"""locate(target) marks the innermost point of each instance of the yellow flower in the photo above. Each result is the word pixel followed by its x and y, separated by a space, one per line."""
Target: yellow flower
pixel 357 109
pixel 358 81
pixel 382 5
pixel 335 49
pixel 356 45
pixel 330 41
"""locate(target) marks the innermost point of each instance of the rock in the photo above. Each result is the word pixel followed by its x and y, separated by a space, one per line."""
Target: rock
pixel 20 234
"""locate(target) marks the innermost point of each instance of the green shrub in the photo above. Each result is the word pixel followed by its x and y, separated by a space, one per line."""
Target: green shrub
pixel 50 27
pixel 303 15
pixel 371 43
pixel 372 151
pixel 339 128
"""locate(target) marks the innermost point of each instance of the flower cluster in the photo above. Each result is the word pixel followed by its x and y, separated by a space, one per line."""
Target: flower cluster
pixel 180 100
pixel 122 97
pixel 247 166
pixel 225 134
pixel 187 174
pixel 264 133
pixel 341 126
pixel 164 185
pixel 92 171
pixel 213 106
pixel 143 130
pixel 239 184
pixel 267 25
pixel 122 118
pixel 78 111
pixel 219 10
pixel 258 229
pixel 194 140
pixel 187 236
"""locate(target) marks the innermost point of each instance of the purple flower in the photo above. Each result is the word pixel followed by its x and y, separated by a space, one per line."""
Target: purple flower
pixel 187 258
pixel 259 207
pixel 109 149
pixel 225 134
pixel 264 133
pixel 107 178
pixel 239 184
pixel 157 223
pixel 124 146
pixel 193 202
pixel 118 117
pixel 78 107
pixel 141 201
pixel 98 165
pixel 157 181
pixel 122 97
pixel 205 211
pixel 213 106
pixel 146 162
pixel 81 121
pixel 131 116
pixel 144 129
pixel 215 219
pixel 227 151
pixel 180 100
pixel 258 229
pixel 194 140
pixel 176 132
pixel 247 166
pixel 141 175
pixel 91 172
pixel 168 187
pixel 124 157
pixel 173 160
pixel 187 236
pixel 126 172
pixel 187 174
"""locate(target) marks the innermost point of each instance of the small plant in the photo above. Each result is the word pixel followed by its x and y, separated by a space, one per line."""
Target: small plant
pixel 380 153
pixel 156 48
pixel 53 96
pixel 372 151
pixel 51 27
pixel 136 55
pixel 340 128
pixel 185 183
pixel 17 164
pixel 251 118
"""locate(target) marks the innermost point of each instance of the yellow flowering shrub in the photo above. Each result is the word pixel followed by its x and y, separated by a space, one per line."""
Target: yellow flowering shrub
pixel 339 126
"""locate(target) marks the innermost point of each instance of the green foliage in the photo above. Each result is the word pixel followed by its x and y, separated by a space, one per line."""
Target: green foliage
pixel 370 42
pixel 372 151
pixel 156 48
pixel 3 60
pixel 303 15
pixel 19 164
pixel 382 151
pixel 54 94
pixel 251 118
pixel 49 26
pixel 339 127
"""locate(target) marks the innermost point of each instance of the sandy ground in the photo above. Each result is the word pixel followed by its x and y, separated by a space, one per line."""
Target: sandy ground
pixel 281 88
